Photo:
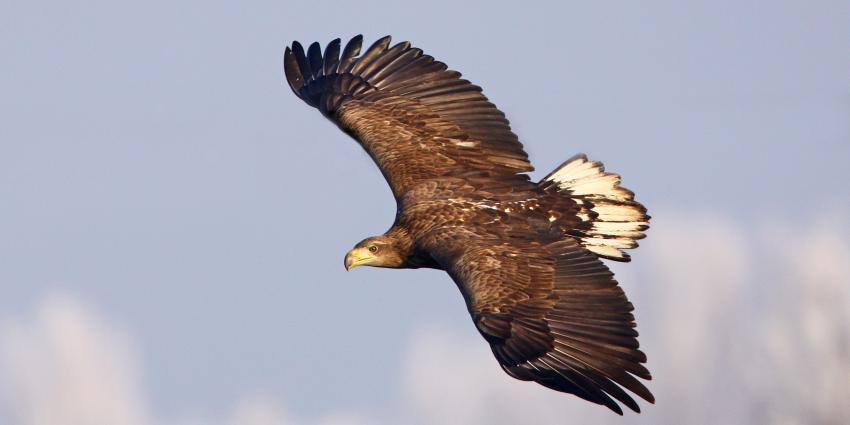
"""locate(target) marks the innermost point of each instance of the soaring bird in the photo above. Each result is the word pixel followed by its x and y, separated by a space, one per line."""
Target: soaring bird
pixel 525 255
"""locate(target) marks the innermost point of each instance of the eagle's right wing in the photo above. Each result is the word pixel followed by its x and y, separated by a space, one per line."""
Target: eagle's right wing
pixel 552 313
pixel 415 118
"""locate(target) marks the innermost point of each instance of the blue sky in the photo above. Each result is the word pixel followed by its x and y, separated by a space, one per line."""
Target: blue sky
pixel 162 188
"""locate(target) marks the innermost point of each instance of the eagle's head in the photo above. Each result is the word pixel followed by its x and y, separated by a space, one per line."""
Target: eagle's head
pixel 377 251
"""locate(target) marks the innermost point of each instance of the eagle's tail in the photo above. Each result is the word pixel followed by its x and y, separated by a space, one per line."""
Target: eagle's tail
pixel 612 219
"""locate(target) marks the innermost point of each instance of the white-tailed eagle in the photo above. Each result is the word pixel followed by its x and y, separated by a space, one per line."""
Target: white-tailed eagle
pixel 526 255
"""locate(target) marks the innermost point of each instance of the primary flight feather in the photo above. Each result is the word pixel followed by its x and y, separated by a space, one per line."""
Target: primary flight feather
pixel 525 255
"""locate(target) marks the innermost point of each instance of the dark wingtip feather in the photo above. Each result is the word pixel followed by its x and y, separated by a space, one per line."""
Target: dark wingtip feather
pixel 314 55
pixel 404 45
pixel 384 42
pixel 301 59
pixel 331 56
pixel 371 54
pixel 292 71
pixel 351 50
pixel 381 45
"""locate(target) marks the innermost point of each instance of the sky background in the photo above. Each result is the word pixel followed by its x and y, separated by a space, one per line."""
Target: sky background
pixel 173 219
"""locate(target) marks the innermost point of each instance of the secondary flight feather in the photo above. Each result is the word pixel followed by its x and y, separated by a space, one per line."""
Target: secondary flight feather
pixel 525 255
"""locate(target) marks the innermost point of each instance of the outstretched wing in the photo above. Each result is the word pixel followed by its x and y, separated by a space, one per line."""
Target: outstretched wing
pixel 552 313
pixel 416 119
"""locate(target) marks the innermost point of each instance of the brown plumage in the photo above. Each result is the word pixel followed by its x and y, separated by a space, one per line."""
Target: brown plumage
pixel 525 255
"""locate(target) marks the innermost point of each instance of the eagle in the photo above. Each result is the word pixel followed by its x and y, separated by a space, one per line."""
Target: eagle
pixel 525 255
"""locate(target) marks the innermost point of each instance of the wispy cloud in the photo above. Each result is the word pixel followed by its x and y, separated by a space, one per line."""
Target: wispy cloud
pixel 740 325
pixel 69 366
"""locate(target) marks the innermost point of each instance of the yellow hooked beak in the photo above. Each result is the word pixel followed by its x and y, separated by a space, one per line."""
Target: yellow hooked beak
pixel 357 257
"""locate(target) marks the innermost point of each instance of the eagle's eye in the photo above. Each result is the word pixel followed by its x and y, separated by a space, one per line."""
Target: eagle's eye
pixel 373 248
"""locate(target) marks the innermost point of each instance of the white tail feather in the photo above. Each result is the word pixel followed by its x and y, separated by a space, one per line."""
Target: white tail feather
pixel 616 219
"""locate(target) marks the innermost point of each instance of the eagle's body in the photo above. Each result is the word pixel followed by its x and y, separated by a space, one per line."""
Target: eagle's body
pixel 451 203
pixel 525 255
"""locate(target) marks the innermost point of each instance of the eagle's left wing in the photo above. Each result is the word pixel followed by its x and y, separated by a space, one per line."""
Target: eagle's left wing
pixel 416 119
pixel 552 312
